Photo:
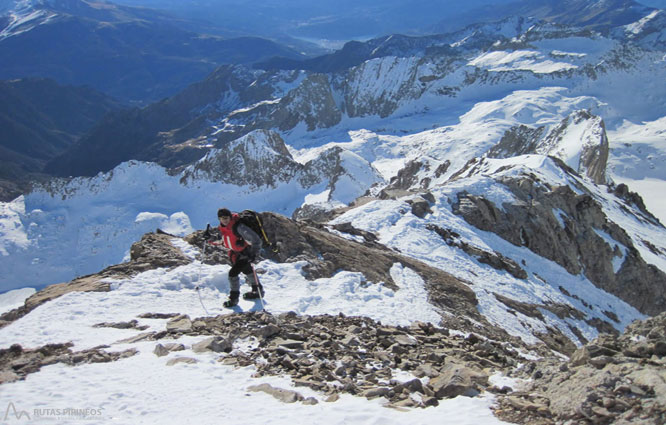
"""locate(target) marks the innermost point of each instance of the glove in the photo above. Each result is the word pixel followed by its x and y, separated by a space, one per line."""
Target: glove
pixel 207 234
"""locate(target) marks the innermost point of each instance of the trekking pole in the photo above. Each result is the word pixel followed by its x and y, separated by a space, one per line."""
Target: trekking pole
pixel 203 255
pixel 261 297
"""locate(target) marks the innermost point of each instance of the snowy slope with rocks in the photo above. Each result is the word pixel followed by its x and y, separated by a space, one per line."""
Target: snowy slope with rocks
pixel 119 333
pixel 144 389
pixel 471 181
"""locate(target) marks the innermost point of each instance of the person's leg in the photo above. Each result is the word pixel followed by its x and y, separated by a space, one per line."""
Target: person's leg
pixel 234 285
pixel 252 280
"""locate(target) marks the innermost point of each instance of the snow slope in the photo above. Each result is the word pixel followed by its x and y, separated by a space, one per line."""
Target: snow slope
pixel 14 299
pixel 143 390
pixel 638 159
pixel 410 235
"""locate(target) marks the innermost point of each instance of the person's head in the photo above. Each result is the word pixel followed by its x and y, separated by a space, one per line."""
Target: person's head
pixel 224 215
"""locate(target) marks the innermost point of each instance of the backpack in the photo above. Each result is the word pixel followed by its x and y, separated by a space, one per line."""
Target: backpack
pixel 251 219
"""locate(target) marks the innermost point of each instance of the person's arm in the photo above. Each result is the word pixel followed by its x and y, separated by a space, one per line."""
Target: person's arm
pixel 213 237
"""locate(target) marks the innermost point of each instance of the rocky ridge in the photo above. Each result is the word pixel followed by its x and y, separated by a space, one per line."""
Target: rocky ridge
pixel 261 159
pixel 613 379
pixel 559 224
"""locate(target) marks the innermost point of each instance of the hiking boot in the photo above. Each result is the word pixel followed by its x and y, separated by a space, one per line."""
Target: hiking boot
pixel 254 294
pixel 233 299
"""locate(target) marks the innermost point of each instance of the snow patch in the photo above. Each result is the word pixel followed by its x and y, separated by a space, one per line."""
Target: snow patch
pixel 14 299
pixel 520 60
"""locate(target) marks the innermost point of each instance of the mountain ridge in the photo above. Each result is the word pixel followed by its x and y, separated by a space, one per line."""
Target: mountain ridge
pixel 408 82
pixel 40 120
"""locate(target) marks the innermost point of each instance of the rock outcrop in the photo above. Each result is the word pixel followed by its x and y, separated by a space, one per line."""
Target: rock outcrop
pixel 572 230
pixel 589 153
pixel 579 140
pixel 16 362
pixel 261 157
pixel 326 253
pixel 613 379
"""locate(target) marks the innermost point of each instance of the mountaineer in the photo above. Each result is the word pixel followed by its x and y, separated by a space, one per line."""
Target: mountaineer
pixel 244 245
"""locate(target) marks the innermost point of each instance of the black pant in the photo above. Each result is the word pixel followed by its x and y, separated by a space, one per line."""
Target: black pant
pixel 242 265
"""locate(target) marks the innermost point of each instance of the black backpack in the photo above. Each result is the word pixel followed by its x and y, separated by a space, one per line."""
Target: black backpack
pixel 251 219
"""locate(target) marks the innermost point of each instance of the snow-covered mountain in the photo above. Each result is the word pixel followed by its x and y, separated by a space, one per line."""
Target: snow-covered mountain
pixel 512 88
pixel 417 82
pixel 472 179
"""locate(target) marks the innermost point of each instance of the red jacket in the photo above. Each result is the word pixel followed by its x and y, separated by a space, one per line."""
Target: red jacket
pixel 229 239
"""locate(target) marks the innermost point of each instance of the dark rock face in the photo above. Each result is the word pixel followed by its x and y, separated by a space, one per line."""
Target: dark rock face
pixel 520 140
pixel 312 103
pixel 494 259
pixel 633 199
pixel 573 238
pixel 407 177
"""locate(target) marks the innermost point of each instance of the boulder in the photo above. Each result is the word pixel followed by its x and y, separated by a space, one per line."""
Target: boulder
pixel 181 360
pixel 285 396
pixel 180 323
pixel 457 380
pixel 164 349
pixel 216 344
